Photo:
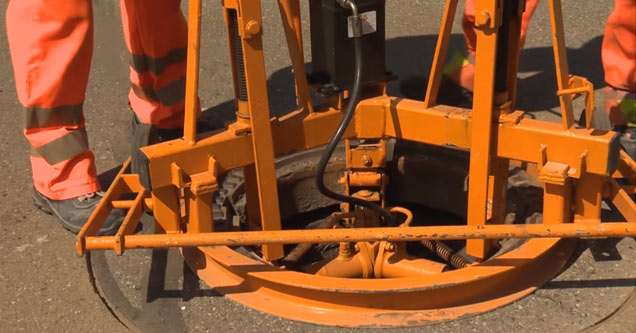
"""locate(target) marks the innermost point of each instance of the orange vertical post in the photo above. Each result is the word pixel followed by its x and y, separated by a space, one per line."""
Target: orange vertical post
pixel 253 207
pixel 166 209
pixel 250 27
pixel 587 200
pixel 487 21
pixel 497 190
pixel 557 193
pixel 192 71
pixel 557 202
pixel 199 212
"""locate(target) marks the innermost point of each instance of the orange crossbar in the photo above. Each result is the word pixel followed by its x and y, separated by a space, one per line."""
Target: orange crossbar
pixel 565 230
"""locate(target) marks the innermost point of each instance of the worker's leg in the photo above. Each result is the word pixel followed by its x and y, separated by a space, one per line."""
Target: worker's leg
pixel 51 43
pixel 156 36
pixel 461 69
pixel 618 55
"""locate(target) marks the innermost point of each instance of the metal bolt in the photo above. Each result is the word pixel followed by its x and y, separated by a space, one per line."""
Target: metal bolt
pixel 252 28
pixel 366 159
pixel 345 250
pixel 482 19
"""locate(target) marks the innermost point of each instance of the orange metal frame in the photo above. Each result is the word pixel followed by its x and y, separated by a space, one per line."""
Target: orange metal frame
pixel 575 164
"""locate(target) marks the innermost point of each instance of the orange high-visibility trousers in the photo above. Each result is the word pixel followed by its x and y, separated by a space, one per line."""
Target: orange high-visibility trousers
pixel 619 62
pixel 51 44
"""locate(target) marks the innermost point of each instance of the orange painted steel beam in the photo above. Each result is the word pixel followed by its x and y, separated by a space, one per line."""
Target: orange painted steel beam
pixel 622 199
pixel 561 63
pixel 166 209
pixel 514 53
pixel 99 215
pixel 497 190
pixel 565 230
pixel 130 222
pixel 192 71
pixel 440 53
pixel 587 198
pixel 483 128
pixel 405 119
pixel 290 15
pixel 233 151
pixel 626 167
pixel 250 18
pixel 452 127
pixel 229 150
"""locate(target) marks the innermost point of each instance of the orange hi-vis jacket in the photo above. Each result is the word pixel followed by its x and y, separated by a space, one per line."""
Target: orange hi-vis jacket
pixel 51 44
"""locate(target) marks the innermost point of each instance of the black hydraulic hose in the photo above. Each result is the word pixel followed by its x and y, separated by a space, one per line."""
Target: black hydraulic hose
pixel 349 111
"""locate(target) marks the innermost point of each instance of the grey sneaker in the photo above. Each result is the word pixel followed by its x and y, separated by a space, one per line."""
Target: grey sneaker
pixel 73 213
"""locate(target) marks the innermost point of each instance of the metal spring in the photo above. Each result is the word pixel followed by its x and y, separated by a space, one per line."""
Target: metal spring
pixel 301 249
pixel 446 253
pixel 297 253
pixel 238 55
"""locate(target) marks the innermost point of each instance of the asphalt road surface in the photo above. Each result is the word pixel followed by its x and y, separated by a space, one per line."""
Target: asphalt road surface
pixel 44 285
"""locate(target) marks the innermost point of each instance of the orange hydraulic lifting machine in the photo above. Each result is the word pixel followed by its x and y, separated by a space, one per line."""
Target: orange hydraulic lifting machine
pixel 376 274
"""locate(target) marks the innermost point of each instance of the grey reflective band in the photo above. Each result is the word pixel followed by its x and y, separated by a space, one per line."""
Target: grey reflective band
pixel 170 94
pixel 63 148
pixel 38 117
pixel 143 63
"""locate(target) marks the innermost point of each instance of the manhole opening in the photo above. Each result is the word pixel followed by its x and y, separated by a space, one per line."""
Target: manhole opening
pixel 429 181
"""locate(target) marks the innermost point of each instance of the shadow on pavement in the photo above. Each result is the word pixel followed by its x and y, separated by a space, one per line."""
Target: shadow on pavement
pixel 536 90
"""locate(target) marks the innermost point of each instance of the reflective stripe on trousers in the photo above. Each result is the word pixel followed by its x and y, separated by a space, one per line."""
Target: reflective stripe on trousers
pixel 156 36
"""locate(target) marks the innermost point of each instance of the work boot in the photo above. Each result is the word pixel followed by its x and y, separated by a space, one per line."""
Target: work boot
pixel 73 213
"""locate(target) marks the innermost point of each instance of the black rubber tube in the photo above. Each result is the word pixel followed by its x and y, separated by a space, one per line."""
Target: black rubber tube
pixel 354 98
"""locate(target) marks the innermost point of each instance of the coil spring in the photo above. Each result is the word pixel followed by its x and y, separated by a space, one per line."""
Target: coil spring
pixel 238 55
pixel 446 253
pixel 297 253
